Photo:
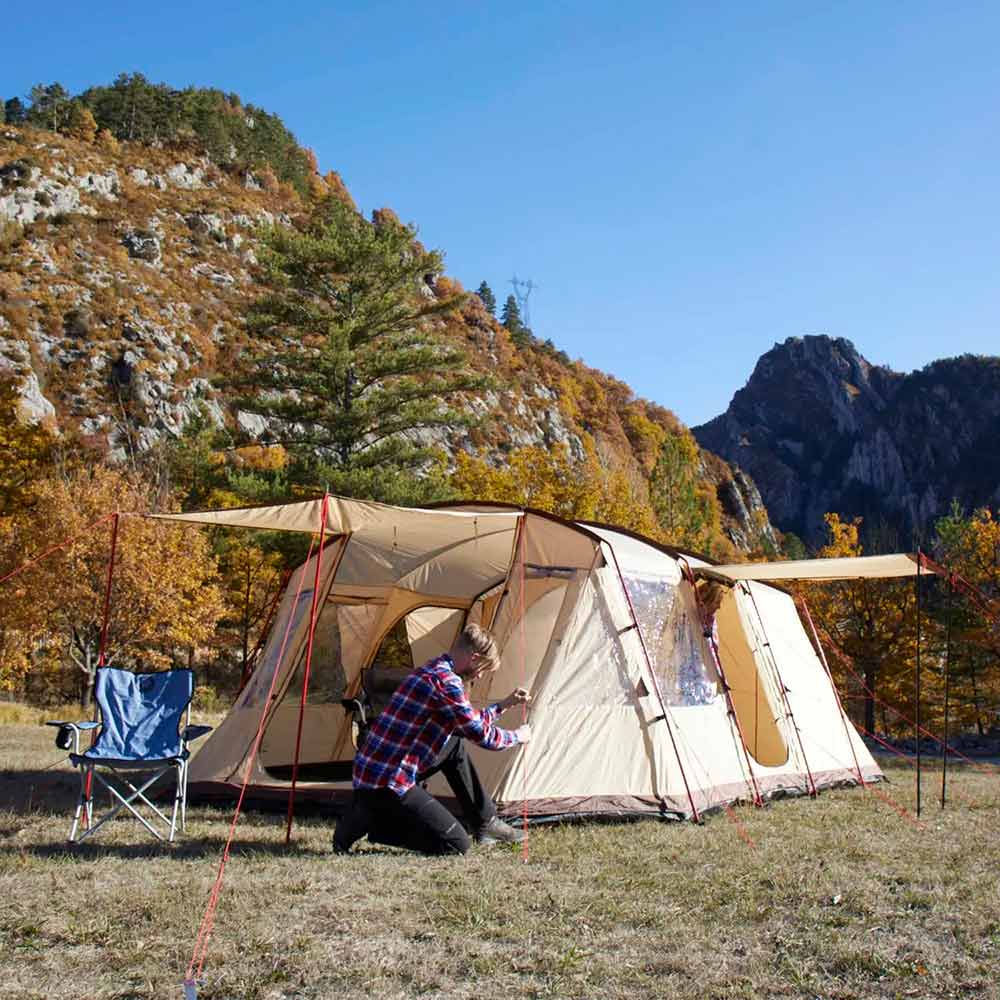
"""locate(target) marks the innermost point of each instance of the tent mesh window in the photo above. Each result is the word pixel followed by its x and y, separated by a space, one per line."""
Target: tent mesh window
pixel 673 639
pixel 260 682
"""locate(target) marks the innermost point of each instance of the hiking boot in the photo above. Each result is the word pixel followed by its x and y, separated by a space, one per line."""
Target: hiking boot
pixel 498 832
pixel 351 827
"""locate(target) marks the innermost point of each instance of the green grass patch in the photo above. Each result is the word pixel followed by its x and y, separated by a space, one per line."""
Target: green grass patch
pixel 841 899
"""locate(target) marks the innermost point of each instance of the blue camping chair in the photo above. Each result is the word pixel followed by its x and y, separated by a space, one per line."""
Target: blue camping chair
pixel 140 730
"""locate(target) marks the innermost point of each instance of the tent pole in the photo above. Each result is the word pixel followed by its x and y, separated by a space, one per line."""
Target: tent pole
pixel 947 689
pixel 836 693
pixel 789 715
pixel 916 675
pixel 305 677
pixel 709 631
pixel 656 684
pixel 103 649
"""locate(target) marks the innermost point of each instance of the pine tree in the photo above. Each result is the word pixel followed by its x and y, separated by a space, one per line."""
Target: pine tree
pixel 351 372
pixel 14 111
pixel 510 315
pixel 49 105
pixel 488 298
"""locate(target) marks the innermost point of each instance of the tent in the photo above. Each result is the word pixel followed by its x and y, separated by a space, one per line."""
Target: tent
pixel 635 710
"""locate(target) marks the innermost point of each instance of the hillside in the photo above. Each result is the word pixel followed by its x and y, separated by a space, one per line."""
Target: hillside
pixel 822 429
pixel 125 271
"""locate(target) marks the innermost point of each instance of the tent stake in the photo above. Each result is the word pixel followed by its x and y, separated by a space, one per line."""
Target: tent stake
pixel 947 686
pixel 305 678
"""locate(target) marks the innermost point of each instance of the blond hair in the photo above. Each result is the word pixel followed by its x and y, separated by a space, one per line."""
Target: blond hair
pixel 479 642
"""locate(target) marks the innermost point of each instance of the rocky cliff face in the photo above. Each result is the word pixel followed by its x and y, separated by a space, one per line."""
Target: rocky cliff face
pixel 821 429
pixel 125 273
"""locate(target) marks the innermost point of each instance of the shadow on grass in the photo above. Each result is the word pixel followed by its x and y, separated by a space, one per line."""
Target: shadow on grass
pixel 182 849
pixel 33 793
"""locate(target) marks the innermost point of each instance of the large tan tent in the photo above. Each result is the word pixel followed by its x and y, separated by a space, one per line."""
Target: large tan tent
pixel 633 711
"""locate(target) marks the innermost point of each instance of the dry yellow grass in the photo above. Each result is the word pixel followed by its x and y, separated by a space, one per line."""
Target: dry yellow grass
pixel 841 899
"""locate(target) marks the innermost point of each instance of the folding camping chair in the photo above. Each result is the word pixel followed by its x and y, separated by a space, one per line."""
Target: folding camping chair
pixel 140 731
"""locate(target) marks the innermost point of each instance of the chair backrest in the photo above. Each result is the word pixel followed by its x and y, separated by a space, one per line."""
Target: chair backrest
pixel 141 713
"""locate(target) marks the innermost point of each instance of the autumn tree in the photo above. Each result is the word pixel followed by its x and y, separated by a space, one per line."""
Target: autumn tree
pixel 351 374
pixel 969 545
pixel 80 123
pixel 165 600
pixel 872 624
pixel 549 479
pixel 27 450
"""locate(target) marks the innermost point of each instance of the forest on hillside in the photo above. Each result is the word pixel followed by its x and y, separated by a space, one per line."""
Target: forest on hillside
pixel 355 352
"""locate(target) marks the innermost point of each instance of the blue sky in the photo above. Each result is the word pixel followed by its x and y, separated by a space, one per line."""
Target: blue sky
pixel 686 183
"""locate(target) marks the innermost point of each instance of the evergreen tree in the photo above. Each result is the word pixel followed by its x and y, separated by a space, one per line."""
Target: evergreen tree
pixel 350 372
pixel 510 316
pixel 49 105
pixel 488 298
pixel 683 510
pixel 14 111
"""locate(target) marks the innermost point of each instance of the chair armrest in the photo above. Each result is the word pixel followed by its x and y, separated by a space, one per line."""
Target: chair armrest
pixel 194 732
pixel 69 733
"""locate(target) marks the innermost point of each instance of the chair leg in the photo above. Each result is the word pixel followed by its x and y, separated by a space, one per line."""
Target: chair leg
pixel 84 802
pixel 184 795
pixel 178 791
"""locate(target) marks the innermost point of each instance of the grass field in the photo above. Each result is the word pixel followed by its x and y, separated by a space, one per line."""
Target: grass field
pixel 841 898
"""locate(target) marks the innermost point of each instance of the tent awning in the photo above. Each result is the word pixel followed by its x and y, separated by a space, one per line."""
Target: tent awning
pixel 447 553
pixel 346 516
pixel 854 568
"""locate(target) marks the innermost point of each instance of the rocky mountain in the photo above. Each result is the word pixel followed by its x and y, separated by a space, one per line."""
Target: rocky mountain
pixel 820 429
pixel 125 272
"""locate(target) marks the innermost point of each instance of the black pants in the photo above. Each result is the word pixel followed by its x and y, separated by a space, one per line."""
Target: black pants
pixel 417 820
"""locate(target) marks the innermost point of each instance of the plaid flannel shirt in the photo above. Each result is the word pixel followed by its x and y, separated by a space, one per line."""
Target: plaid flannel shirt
pixel 425 710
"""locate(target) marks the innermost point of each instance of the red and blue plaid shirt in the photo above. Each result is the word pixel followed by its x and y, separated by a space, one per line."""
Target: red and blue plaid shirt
pixel 425 710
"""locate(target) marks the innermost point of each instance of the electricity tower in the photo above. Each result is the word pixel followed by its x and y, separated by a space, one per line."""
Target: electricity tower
pixel 522 292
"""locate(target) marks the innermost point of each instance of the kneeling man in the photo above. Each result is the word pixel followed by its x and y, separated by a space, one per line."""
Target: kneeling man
pixel 419 733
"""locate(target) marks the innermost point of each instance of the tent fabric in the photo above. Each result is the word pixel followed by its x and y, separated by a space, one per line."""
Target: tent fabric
pixel 629 713
pixel 850 568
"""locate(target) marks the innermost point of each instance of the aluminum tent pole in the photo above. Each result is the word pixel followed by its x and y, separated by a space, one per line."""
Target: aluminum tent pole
pixel 308 666
pixel 916 670
pixel 947 689
pixel 103 648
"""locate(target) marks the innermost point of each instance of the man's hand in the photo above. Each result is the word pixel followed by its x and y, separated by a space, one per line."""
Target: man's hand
pixel 523 733
pixel 519 696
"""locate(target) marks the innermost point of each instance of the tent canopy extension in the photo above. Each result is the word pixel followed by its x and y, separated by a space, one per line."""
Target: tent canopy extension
pixel 635 710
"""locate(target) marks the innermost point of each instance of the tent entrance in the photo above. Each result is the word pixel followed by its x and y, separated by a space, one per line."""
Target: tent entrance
pixel 754 702
pixel 345 630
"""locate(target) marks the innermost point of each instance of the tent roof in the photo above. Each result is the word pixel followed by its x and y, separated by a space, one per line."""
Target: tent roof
pixel 874 567
pixel 346 516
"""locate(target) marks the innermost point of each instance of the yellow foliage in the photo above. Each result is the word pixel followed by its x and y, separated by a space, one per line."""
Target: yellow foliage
pixel 260 458
pixel 26 450
pixel 165 601
pixel 549 480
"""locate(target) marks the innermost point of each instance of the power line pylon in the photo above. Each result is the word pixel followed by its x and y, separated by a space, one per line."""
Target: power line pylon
pixel 522 292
